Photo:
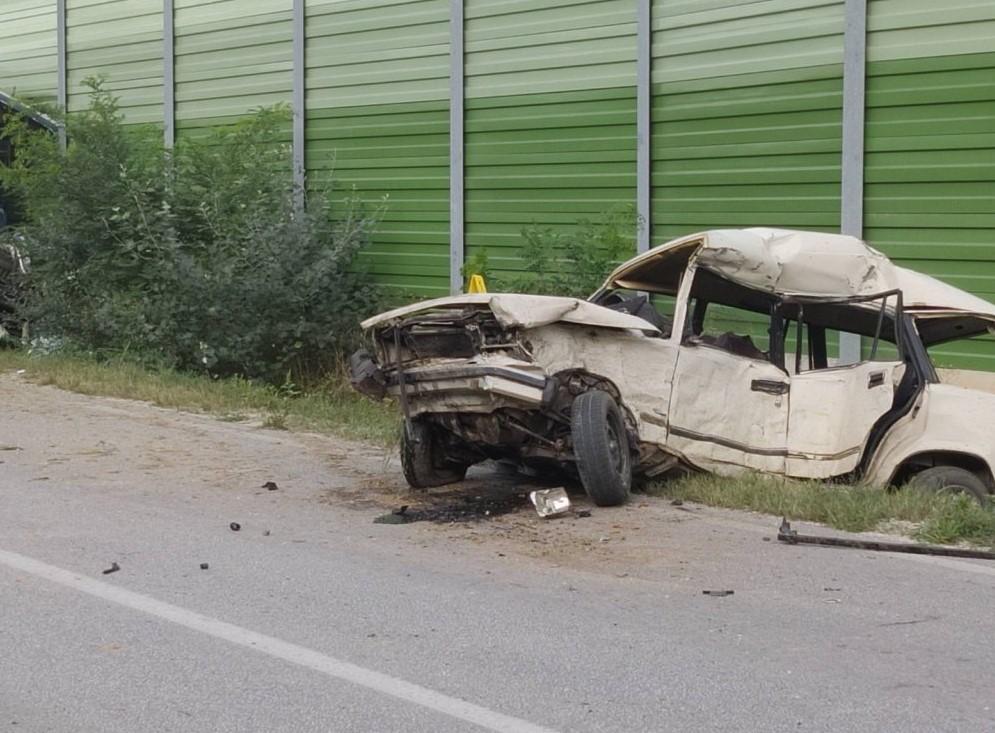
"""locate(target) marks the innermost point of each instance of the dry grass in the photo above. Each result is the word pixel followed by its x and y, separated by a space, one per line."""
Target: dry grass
pixel 332 408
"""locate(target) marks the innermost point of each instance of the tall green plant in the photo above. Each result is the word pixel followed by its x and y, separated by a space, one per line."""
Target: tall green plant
pixel 205 256
pixel 574 263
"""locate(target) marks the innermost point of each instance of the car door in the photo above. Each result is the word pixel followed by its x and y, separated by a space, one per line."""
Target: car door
pixel 728 409
pixel 832 412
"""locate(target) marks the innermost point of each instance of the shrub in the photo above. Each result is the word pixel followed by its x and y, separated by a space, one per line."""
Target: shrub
pixel 205 256
pixel 573 263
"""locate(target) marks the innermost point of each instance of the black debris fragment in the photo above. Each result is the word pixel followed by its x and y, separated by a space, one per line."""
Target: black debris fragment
pixel 266 533
pixel 583 513
pixel 677 502
pixel 270 486
pixel 234 526
pixel 112 569
pixel 718 593
pixel 204 566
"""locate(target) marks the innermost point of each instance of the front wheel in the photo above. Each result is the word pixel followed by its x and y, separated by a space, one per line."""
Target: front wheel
pixel 950 480
pixel 423 460
pixel 601 447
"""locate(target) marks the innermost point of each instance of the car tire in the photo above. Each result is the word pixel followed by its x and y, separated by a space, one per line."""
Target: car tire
pixel 950 479
pixel 423 464
pixel 601 448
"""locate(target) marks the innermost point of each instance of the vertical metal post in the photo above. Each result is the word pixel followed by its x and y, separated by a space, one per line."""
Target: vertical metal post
pixel 61 92
pixel 456 223
pixel 852 159
pixel 644 190
pixel 299 110
pixel 168 75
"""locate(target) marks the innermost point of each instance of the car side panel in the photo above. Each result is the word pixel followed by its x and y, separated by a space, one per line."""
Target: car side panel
pixel 831 414
pixel 728 411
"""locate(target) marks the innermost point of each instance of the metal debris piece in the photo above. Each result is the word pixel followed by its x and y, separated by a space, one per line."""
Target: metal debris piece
pixel 234 526
pixel 204 566
pixel 550 502
pixel 718 593
pixel 112 569
pixel 270 486
pixel 789 536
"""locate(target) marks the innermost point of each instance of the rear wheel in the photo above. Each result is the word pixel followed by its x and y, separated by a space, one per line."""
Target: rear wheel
pixel 423 461
pixel 950 480
pixel 601 447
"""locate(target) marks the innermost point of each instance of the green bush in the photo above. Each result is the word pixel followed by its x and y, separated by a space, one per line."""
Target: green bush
pixel 573 263
pixel 203 256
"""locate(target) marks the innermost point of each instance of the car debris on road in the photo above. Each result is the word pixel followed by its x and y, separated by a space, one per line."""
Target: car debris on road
pixel 790 536
pixel 646 377
pixel 550 502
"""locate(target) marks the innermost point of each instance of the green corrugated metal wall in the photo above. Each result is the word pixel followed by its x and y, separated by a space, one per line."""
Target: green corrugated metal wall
pixel 550 117
pixel 120 40
pixel 28 62
pixel 377 85
pixel 746 113
pixel 929 194
pixel 747 104
pixel 231 56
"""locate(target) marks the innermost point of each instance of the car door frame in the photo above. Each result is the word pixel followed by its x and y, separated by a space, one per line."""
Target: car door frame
pixel 714 451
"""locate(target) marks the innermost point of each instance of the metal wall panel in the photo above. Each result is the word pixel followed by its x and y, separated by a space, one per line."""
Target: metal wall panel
pixel 28 49
pixel 746 114
pixel 550 125
pixel 121 41
pixel 930 145
pixel 232 56
pixel 377 85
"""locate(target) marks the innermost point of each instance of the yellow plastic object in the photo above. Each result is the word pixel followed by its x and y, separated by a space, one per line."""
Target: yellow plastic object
pixel 477 284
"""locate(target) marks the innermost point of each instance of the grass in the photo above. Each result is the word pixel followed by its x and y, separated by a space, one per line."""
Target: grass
pixel 336 409
pixel 933 518
pixel 333 408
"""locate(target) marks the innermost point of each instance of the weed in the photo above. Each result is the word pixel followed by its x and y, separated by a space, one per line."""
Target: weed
pixel 854 508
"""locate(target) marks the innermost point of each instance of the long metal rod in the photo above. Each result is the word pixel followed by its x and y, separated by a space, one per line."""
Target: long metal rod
pixel 168 74
pixel 61 81
pixel 789 536
pixel 644 183
pixel 456 200
pixel 852 157
pixel 299 112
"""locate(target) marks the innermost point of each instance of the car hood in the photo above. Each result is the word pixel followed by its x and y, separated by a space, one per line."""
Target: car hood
pixel 522 311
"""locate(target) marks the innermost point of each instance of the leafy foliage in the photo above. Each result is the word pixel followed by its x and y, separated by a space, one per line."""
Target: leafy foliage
pixel 573 263
pixel 205 256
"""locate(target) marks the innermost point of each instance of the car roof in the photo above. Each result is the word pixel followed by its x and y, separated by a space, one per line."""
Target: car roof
pixel 791 263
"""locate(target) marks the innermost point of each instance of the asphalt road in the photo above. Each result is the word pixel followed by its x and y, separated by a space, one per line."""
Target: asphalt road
pixel 313 618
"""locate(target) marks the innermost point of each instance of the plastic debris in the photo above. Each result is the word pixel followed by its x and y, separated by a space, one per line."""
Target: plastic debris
pixel 204 566
pixel 718 593
pixel 270 486
pixel 234 526
pixel 584 513
pixel 112 569
pixel 550 502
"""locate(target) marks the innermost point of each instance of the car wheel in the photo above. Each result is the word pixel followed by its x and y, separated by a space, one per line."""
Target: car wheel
pixel 950 479
pixel 601 447
pixel 423 463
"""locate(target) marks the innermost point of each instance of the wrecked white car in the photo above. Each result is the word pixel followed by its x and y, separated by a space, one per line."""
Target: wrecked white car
pixel 713 352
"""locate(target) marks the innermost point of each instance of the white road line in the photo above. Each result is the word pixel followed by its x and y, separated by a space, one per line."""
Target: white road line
pixel 385 684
